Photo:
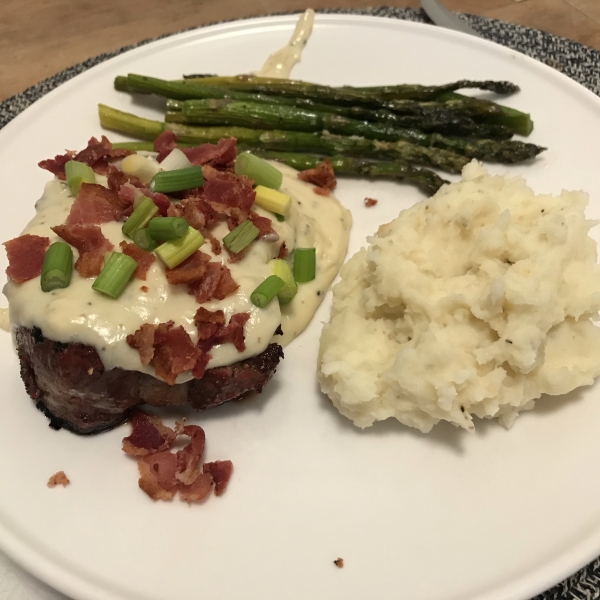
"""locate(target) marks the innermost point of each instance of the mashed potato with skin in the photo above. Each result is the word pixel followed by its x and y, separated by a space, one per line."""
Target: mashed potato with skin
pixel 474 302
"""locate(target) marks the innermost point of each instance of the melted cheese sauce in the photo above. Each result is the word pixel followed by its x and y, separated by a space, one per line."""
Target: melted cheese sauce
pixel 80 314
pixel 280 63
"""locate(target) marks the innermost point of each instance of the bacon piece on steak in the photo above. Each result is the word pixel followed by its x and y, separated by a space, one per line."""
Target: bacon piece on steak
pixel 163 473
pixel 91 244
pixel 95 205
pixel 98 154
pixel 25 257
pixel 143 259
pixel 221 154
pixel 168 349
pixel 322 176
pixel 70 385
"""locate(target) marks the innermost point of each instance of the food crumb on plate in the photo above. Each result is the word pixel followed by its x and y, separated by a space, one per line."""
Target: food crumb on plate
pixel 370 202
pixel 59 478
pixel 339 563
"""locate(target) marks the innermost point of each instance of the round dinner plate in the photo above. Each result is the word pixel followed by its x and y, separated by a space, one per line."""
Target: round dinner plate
pixel 497 515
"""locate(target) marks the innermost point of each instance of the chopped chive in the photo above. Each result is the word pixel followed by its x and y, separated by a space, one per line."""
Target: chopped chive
pixel 259 170
pixel 176 159
pixel 177 180
pixel 237 239
pixel 167 228
pixel 139 166
pixel 174 252
pixel 57 267
pixel 281 268
pixel 139 218
pixel 266 291
pixel 77 173
pixel 115 274
pixel 272 200
pixel 142 239
pixel 305 264
pixel 280 218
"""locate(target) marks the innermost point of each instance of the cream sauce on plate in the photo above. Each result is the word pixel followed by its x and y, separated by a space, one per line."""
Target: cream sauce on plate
pixel 280 63
pixel 80 314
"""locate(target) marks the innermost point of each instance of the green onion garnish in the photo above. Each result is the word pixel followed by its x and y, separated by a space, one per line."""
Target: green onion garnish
pixel 142 239
pixel 258 170
pixel 174 252
pixel 280 218
pixel 167 228
pixel 272 200
pixel 266 291
pixel 115 274
pixel 139 218
pixel 177 180
pixel 237 239
pixel 77 173
pixel 305 264
pixel 282 269
pixel 57 267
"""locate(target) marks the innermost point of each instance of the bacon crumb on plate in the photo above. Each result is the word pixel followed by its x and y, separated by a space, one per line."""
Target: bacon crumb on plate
pixel 164 474
pixel 58 478
pixel 339 563
pixel 370 202
pixel 322 176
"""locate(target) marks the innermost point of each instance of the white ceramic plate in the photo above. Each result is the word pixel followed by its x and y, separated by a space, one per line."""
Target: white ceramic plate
pixel 495 515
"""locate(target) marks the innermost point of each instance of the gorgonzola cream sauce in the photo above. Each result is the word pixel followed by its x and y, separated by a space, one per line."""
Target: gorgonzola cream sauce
pixel 80 314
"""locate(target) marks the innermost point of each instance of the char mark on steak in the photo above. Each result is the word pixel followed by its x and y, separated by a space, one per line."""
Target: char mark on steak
pixel 72 388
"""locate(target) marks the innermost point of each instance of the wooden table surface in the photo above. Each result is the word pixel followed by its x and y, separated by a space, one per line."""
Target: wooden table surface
pixel 41 37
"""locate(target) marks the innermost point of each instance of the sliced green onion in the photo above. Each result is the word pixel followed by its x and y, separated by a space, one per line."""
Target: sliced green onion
pixel 176 159
pixel 281 268
pixel 167 228
pixel 115 274
pixel 77 173
pixel 258 170
pixel 57 267
pixel 174 252
pixel 266 291
pixel 176 181
pixel 141 238
pixel 305 264
pixel 272 200
pixel 142 167
pixel 280 218
pixel 139 218
pixel 237 239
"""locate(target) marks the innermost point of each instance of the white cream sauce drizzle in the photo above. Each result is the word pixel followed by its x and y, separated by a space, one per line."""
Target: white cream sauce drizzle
pixel 280 63
pixel 79 314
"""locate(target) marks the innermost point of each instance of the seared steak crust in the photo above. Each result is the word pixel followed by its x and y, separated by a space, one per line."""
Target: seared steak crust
pixel 73 389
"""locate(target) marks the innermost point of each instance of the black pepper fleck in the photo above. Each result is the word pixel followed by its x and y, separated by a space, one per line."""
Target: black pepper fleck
pixel 509 341
pixel 318 292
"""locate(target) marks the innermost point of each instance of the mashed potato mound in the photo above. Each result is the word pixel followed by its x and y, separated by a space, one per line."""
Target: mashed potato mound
pixel 474 302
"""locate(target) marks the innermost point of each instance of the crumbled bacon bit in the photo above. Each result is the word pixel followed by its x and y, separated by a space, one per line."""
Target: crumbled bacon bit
pixel 25 257
pixel 164 144
pixel 222 153
pixel 339 563
pixel 95 205
pixel 91 244
pixel 168 349
pixel 283 251
pixel 163 474
pixel 321 191
pixel 217 282
pixel 192 269
pixel 208 322
pixel 370 202
pixel 144 289
pixel 263 224
pixel 322 176
pixel 98 154
pixel 220 471
pixel 143 259
pixel 58 478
